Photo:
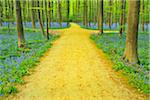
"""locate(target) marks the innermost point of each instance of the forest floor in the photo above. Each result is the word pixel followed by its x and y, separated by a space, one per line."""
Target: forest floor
pixel 75 69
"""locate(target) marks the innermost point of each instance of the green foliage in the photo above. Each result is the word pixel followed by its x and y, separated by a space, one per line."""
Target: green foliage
pixel 114 46
pixel 15 62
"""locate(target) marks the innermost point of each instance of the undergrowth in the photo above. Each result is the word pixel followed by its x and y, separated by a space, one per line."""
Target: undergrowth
pixel 15 62
pixel 114 46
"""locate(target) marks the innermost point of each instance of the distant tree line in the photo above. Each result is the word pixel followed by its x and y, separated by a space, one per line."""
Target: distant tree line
pixel 86 11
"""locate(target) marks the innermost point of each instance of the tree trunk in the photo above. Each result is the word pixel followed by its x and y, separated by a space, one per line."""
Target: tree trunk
pixel 109 14
pixel 90 12
pixel 32 16
pixel 78 10
pixel 24 12
pixel 1 13
pixel 39 19
pixel 100 16
pixel 59 13
pixel 12 10
pixel 21 39
pixel 52 11
pixel 49 13
pixel 142 15
pixel 42 12
pixel 121 18
pixel 47 34
pixel 68 11
pixel 85 14
pixel 130 53
pixel 124 15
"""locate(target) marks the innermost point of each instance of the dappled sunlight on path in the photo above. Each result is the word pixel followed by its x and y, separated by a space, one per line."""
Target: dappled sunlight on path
pixel 74 69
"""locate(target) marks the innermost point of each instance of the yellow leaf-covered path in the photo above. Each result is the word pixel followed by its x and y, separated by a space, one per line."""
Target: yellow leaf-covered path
pixel 74 69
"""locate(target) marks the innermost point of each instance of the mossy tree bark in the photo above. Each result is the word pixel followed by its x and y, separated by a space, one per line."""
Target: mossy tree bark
pixel 130 53
pixel 100 16
pixel 21 39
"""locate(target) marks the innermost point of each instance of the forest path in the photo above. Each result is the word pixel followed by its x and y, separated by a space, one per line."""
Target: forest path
pixel 75 69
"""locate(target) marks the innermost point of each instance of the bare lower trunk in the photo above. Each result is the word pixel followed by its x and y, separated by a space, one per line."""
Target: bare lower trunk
pixel 130 53
pixel 21 39
pixel 100 16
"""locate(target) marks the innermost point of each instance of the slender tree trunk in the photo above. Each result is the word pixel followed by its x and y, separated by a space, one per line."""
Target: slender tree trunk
pixel 24 11
pixel 130 53
pixel 110 15
pixel 85 14
pixel 124 15
pixel 32 15
pixel 116 14
pixel 52 11
pixel 1 13
pixel 8 15
pixel 121 18
pixel 78 10
pixel 42 13
pixel 100 16
pixel 56 11
pixel 59 13
pixel 95 11
pixel 12 10
pixel 68 11
pixel 90 12
pixel 21 39
pixel 46 16
pixel 39 19
pixel 49 13
pixel 142 15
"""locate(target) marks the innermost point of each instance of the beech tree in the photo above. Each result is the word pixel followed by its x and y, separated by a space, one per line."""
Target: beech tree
pixel 110 14
pixel 32 15
pixel 59 13
pixel 85 13
pixel 130 53
pixel 142 10
pixel 49 13
pixel 21 39
pixel 100 16
pixel 121 18
pixel 68 11
pixel 39 18
pixel 46 16
pixel 1 13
